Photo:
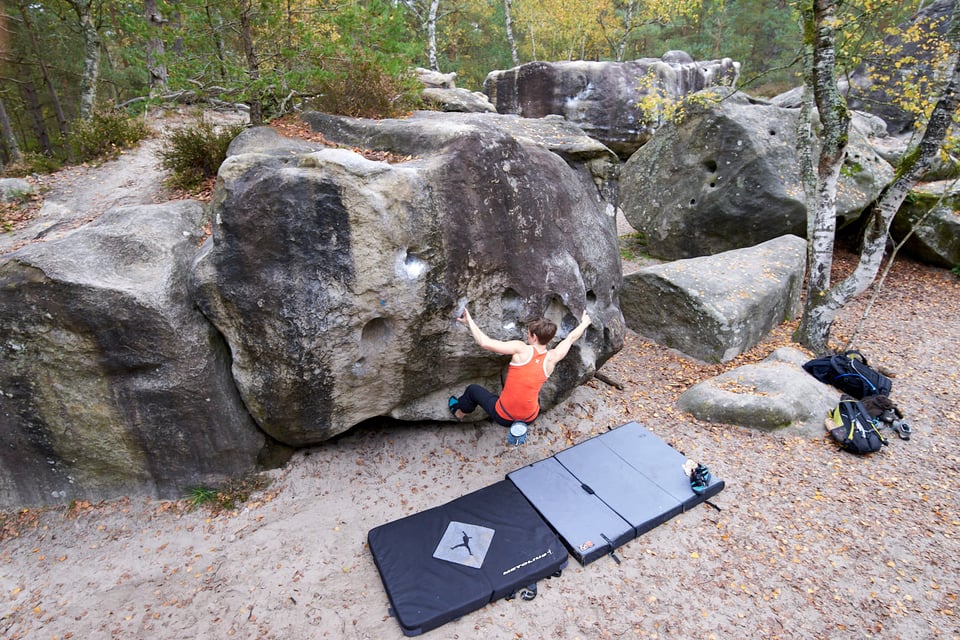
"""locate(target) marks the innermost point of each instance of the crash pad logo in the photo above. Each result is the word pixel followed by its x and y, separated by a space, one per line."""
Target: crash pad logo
pixel 465 544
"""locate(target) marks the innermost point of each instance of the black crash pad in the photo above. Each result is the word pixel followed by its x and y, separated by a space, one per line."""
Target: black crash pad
pixel 441 563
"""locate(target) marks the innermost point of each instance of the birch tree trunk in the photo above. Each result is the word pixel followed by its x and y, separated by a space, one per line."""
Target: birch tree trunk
pixel 823 301
pixel 818 34
pixel 806 135
pixel 627 28
pixel 508 23
pixel 91 56
pixel 432 34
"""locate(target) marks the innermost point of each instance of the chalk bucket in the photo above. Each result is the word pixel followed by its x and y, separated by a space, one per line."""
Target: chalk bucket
pixel 517 434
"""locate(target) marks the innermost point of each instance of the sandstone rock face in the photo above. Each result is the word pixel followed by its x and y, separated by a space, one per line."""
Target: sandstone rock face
pixel 931 213
pixel 111 381
pixel 334 278
pixel 457 100
pixel 435 80
pixel 602 97
pixel 715 308
pixel 427 132
pixel 15 188
pixel 727 177
pixel 771 395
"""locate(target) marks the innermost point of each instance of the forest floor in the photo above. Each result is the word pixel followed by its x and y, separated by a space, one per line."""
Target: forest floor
pixel 810 542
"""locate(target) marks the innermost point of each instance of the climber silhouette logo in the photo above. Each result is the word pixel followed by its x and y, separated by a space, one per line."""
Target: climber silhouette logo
pixel 465 544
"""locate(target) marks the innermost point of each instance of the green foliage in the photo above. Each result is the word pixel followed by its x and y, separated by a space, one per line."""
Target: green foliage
pixel 473 42
pixel 851 169
pixel 202 496
pixel 366 71
pixel 105 135
pixel 364 89
pixel 345 53
pixel 228 496
pixel 657 106
pixel 31 163
pixel 760 34
pixel 194 153
pixel 633 246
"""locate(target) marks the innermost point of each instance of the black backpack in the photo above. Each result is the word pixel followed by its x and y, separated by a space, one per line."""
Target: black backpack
pixel 851 426
pixel 849 372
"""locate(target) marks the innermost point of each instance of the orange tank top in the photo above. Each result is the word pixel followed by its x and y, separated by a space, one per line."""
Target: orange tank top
pixel 520 399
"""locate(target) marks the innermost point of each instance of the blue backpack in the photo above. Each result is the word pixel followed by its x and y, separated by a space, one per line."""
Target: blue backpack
pixel 849 372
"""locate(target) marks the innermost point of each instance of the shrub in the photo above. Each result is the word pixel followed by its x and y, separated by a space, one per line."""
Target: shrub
pixel 365 89
pixel 194 153
pixel 32 162
pixel 229 496
pixel 105 134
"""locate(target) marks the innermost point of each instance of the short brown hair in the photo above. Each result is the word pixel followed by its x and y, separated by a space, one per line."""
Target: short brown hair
pixel 543 329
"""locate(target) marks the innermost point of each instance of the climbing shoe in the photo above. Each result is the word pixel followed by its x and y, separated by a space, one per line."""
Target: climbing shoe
pixel 699 479
pixel 902 428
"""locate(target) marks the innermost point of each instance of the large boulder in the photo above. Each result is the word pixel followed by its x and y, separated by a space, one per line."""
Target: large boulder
pixel 931 217
pixel 15 189
pixel 727 176
pixel 716 307
pixel 603 98
pixel 771 395
pixel 111 381
pixel 431 79
pixel 334 278
pixel 458 100
pixel 590 158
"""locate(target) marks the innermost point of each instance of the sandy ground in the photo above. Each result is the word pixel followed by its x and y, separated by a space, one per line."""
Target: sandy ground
pixel 811 542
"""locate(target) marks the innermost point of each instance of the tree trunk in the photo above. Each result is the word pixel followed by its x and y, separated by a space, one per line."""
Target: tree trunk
pixel 156 69
pixel 91 56
pixel 432 34
pixel 9 140
pixel 820 307
pixel 47 79
pixel 215 23
pixel 910 171
pixel 823 301
pixel 253 66
pixel 627 28
pixel 508 22
pixel 29 93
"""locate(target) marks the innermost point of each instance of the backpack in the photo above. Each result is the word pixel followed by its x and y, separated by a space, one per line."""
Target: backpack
pixel 851 426
pixel 849 372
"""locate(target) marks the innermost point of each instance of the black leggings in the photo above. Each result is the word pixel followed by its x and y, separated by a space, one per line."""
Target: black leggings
pixel 476 396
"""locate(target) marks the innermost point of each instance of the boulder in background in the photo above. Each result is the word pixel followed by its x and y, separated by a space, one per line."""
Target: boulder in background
pixel 716 307
pixel 111 381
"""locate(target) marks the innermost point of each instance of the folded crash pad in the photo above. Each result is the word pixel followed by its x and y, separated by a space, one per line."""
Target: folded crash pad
pixel 626 476
pixel 441 563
